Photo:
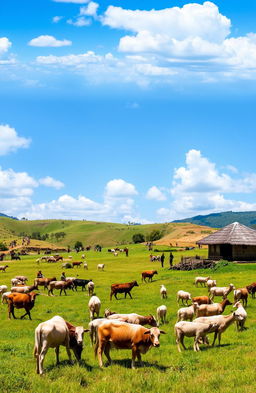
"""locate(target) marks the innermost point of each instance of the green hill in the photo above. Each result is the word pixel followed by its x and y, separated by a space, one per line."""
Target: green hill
pixel 219 220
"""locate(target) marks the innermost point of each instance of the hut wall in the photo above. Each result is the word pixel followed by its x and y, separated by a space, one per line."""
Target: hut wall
pixel 244 252
pixel 214 251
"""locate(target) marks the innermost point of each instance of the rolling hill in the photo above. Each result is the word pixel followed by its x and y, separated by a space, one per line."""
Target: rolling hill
pixel 219 220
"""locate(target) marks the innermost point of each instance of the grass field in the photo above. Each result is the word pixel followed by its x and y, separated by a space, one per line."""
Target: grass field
pixel 229 368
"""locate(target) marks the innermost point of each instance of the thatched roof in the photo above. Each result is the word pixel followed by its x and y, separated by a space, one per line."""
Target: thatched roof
pixel 235 233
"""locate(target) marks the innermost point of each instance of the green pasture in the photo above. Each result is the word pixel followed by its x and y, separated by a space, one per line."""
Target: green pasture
pixel 229 368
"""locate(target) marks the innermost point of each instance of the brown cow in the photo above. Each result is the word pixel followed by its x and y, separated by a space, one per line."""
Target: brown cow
pixel 252 289
pixel 3 268
pixel 77 264
pixel 23 288
pixel 201 300
pixel 62 285
pixel 122 288
pixel 21 300
pixel 123 335
pixel 241 294
pixel 44 282
pixel 148 274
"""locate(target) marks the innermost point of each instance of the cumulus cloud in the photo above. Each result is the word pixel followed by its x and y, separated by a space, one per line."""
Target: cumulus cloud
pixel 90 9
pixel 75 60
pixel 5 44
pixel 156 194
pixel 10 141
pixel 79 21
pixel 119 188
pixel 48 40
pixel 49 181
pixel 57 19
pixel 16 184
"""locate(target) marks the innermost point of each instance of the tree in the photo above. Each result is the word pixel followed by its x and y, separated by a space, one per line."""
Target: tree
pixel 3 246
pixel 138 238
pixel 78 246
pixel 154 235
pixel 59 235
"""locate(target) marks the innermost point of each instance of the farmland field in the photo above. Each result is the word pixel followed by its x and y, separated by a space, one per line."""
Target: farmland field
pixel 228 368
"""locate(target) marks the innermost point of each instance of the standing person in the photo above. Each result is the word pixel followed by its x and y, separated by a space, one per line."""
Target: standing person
pixel 162 259
pixel 40 274
pixel 63 276
pixel 171 259
pixel 126 251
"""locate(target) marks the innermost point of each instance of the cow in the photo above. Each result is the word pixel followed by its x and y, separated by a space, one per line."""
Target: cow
pixel 77 264
pixel 62 285
pixel 148 274
pixel 53 333
pixel 252 289
pixel 122 288
pixel 79 282
pixel 21 300
pixel 123 335
pixel 44 282
pixel 3 268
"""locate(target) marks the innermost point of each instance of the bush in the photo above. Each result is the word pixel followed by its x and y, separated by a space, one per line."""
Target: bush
pixel 78 246
pixel 3 247
pixel 138 238
pixel 154 235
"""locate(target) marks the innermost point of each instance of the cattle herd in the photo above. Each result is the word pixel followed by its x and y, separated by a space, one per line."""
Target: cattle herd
pixel 198 317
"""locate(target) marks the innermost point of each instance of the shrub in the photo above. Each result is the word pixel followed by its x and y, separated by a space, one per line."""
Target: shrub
pixel 138 238
pixel 154 235
pixel 3 247
pixel 78 246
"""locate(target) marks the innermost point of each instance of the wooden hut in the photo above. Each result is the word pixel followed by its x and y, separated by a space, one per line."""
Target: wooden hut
pixel 235 242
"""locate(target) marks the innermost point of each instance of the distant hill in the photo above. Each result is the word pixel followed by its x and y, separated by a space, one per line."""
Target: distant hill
pixel 4 215
pixel 219 220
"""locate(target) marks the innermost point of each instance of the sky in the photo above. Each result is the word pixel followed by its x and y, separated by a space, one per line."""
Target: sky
pixel 127 111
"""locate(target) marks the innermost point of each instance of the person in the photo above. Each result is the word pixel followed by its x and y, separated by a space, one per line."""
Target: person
pixel 162 259
pixel 40 274
pixel 171 259
pixel 63 276
pixel 126 251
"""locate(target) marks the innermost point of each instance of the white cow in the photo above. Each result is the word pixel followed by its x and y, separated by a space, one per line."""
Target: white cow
pixel 3 289
pixel 94 307
pixel 101 266
pixel 52 334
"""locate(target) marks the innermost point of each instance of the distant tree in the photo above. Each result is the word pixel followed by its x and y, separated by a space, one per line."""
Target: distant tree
pixel 59 235
pixel 78 246
pixel 154 235
pixel 3 246
pixel 138 238
pixel 36 235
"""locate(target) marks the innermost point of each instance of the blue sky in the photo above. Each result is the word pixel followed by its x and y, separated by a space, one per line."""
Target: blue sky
pixel 111 111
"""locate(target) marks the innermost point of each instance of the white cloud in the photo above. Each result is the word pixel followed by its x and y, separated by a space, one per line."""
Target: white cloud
pixel 49 181
pixel 156 194
pixel 75 60
pixel 57 19
pixel 119 188
pixel 79 22
pixel 16 184
pixel 10 141
pixel 90 9
pixel 48 41
pixel 5 44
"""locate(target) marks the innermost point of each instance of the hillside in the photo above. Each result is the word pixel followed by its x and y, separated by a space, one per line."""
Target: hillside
pixel 106 234
pixel 219 220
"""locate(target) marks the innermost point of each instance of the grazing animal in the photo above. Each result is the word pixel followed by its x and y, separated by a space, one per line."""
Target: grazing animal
pixel 77 264
pixel 201 280
pixel 70 257
pixel 206 310
pixel 51 259
pixel 148 274
pixel 134 318
pixel 241 294
pixel 15 281
pixel 201 300
pixel 211 283
pixel 83 256
pixel 187 313
pixel 108 312
pixel 93 328
pixel 53 333
pixel 101 266
pixel 94 306
pixel 222 321
pixel 242 315
pixel 192 329
pixel 21 300
pixel 5 297
pixel 24 289
pixel 122 335
pixel 183 296
pixel 44 282
pixel 22 278
pixel 122 288
pixel 62 285
pixel 67 265
pixel 163 292
pixel 90 288
pixel 58 258
pixel 3 289
pixel 252 289
pixel 85 266
pixel 221 291
pixel 79 282
pixel 3 268
pixel 161 312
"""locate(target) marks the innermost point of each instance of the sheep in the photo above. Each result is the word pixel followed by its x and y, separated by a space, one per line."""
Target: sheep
pixel 94 307
pixel 201 280
pixel 221 291
pixel 3 289
pixel 85 266
pixel 242 315
pixel 187 313
pixel 206 310
pixel 83 256
pixel 101 266
pixel 241 294
pixel 211 283
pixel 192 329
pixel 182 295
pixel 163 292
pixel 222 321
pixel 5 297
pixel 161 312
pixel 90 287
pixel 70 257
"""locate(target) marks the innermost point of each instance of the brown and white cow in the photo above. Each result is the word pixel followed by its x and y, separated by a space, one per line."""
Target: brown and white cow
pixel 121 335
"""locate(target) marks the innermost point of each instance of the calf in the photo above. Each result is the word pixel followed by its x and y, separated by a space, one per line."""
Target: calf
pixel 252 289
pixel 101 266
pixel 192 329
pixel 123 335
pixel 241 294
pixel 3 268
pixel 122 288
pixel 148 274
pixel 161 312
pixel 21 300
pixel 3 289
pixel 94 306
pixel 52 334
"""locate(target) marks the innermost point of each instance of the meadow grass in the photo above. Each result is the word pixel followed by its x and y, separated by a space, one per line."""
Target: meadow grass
pixel 228 368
